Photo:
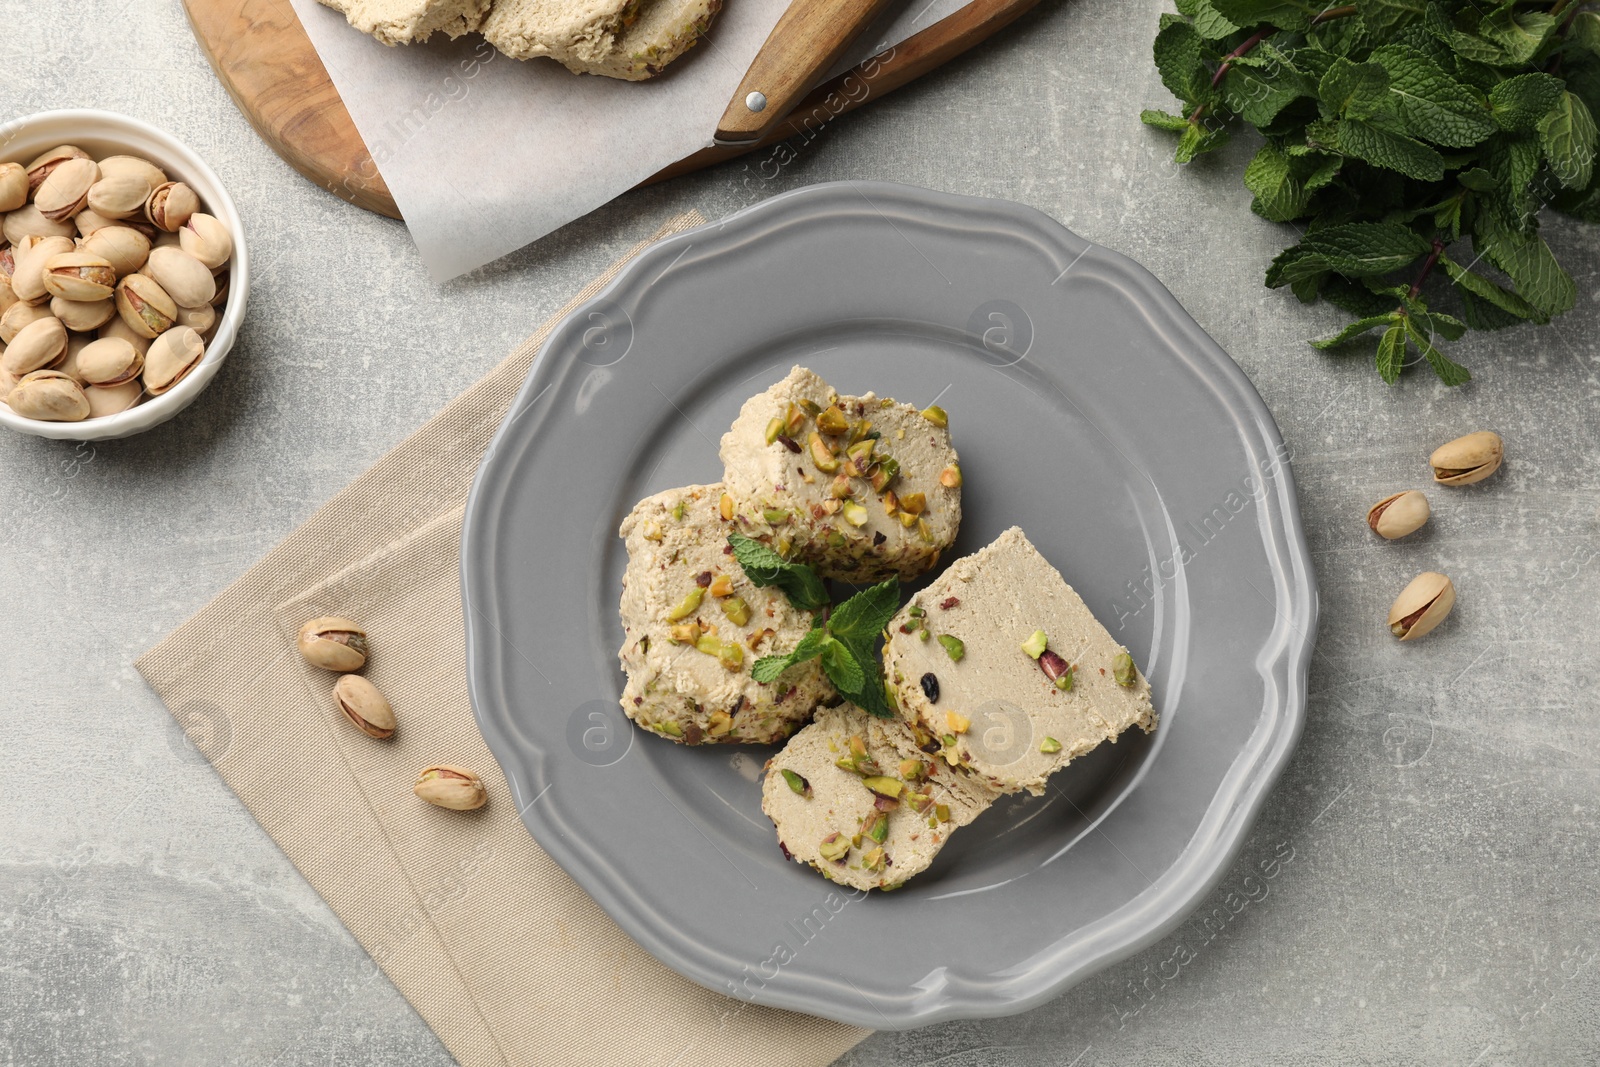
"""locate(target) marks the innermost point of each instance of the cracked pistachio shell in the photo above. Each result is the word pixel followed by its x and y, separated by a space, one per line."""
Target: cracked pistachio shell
pixel 27 222
pixel 45 164
pixel 8 382
pixel 223 278
pixel 36 346
pixel 1467 459
pixel 145 306
pixel 200 319
pixel 117 328
pixel 170 205
pixel 18 316
pixel 7 297
pixel 333 643
pixel 170 358
pixel 28 280
pixel 119 196
pixel 151 174
pixel 79 276
pixel 83 316
pixel 13 186
pixel 187 280
pixel 125 248
pixel 364 706
pixel 207 239
pixel 111 399
pixel 1399 514
pixel 1421 606
pixel 65 192
pixel 109 362
pixel 49 396
pixel 8 263
pixel 455 788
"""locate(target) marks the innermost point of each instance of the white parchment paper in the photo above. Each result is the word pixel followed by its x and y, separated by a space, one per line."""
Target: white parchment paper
pixel 485 154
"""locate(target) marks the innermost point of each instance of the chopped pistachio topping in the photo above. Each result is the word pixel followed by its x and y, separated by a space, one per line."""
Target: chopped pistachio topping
pixel 861 452
pixel 737 611
pixel 950 477
pixel 821 454
pixel 679 510
pixel 1049 745
pixel 797 783
pixel 954 646
pixel 855 514
pixel 958 723
pixel 923 634
pixel 913 769
pixel 874 860
pixel 884 786
pixel 775 517
pixel 876 826
pixel 914 503
pixel 652 530
pixel 942 812
pixel 671 729
pixel 1036 643
pixel 916 611
pixel 774 430
pixel 1064 682
pixel 688 605
pixel 721 724
pixel 884 471
pixel 831 420
pixel 936 415
pixel 725 505
pixel 1123 671
pixel 721 586
pixel 834 847
pixel 685 633
pixel 811 407
pixel 908 519
pixel 794 420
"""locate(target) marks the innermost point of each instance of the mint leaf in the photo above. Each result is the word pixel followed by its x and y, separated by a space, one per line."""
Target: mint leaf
pixel 765 567
pixel 1358 249
pixel 1585 31
pixel 1353 90
pixel 1163 121
pixel 863 617
pixel 767 668
pixel 1392 151
pixel 1528 261
pixel 1568 135
pixel 1431 104
pixel 1278 196
pixel 1197 140
pixel 1355 329
pixel 1519 103
pixel 1520 35
pixel 1210 23
pixel 1284 14
pixel 1391 353
pixel 1450 373
pixel 840 665
pixel 1179 53
pixel 1384 17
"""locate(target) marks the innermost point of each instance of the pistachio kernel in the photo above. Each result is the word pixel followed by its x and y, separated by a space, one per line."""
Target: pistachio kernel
pixel 721 586
pixel 884 471
pixel 913 769
pixel 950 477
pixel 958 723
pixel 954 646
pixel 936 415
pixel 737 611
pixel 854 513
pixel 794 420
pixel 884 786
pixel 923 634
pixel 834 847
pixel 797 783
pixel 1123 671
pixel 774 429
pixel 688 605
pixel 725 507
pixel 684 633
pixel 861 452
pixel 832 421
pixel 810 407
pixel 1055 668
pixel 652 530
pixel 775 517
pixel 877 827
pixel 1036 643
pixel 942 812
pixel 841 489
pixel 875 860
pixel 914 503
pixel 821 454
pixel 1049 746
pixel 671 729
pixel 720 724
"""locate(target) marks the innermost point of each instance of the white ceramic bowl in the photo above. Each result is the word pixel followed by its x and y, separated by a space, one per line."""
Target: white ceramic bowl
pixel 105 133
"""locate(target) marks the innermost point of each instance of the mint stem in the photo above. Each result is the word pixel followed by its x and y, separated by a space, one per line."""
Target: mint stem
pixel 1256 38
pixel 1427 269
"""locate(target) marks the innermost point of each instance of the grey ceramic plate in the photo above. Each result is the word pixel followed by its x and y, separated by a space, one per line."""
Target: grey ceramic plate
pixel 1088 408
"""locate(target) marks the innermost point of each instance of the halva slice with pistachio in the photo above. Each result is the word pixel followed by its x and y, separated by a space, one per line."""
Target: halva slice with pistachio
pixel 1002 660
pixel 857 798
pixel 397 22
pixel 693 625
pixel 860 487
pixel 664 30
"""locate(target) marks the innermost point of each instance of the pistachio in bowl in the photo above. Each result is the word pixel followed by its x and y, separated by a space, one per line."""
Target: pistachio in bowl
pixel 123 275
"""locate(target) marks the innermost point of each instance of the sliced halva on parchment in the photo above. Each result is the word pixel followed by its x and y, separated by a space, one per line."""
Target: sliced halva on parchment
pixel 998 709
pixel 694 625
pixel 396 22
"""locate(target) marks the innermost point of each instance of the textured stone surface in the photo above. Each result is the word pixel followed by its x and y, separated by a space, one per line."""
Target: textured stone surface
pixel 1420 890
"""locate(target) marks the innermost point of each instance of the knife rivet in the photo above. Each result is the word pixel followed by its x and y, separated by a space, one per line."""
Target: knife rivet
pixel 756 101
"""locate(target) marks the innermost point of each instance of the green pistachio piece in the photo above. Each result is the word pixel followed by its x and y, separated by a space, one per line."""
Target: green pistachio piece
pixel 688 605
pixel 936 415
pixel 775 516
pixel 854 513
pixel 774 430
pixel 953 645
pixel 884 786
pixel 923 634
pixel 679 510
pixel 821 454
pixel 737 611
pixel 811 407
pixel 874 860
pixel 800 785
pixel 671 729
pixel 832 421
pixel 834 847
pixel 1123 671
pixel 942 812
pixel 1048 746
pixel 883 472
pixel 1036 643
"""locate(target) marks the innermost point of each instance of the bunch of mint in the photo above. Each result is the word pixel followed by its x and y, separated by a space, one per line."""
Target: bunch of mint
pixel 1413 142
pixel 844 640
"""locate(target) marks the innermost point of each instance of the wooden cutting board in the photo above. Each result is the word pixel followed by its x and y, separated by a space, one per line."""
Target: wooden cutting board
pixel 266 62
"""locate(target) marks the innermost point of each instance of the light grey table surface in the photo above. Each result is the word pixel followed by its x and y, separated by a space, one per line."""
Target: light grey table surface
pixel 1420 889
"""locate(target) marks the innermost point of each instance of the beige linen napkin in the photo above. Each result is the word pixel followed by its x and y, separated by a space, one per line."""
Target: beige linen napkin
pixel 504 956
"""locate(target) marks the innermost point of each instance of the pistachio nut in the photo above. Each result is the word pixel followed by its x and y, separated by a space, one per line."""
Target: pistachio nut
pixel 78 276
pixel 117 328
pixel 18 316
pixel 170 358
pixel 1399 514
pixel 109 362
pixel 83 316
pixel 65 192
pixel 364 706
pixel 145 306
pixel 8 382
pixel 8 267
pixel 1467 459
pixel 170 206
pixel 7 296
pixel 44 165
pixel 120 195
pixel 163 239
pixel 28 281
pixel 334 644
pixel 88 221
pixel 49 396
pixel 207 239
pixel 455 788
pixel 13 186
pixel 117 166
pixel 1421 606
pixel 111 399
pixel 200 319
pixel 187 280
pixel 27 222
pixel 124 247
pixel 37 345
pixel 76 343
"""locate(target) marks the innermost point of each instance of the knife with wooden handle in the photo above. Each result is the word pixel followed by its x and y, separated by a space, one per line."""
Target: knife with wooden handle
pixel 805 44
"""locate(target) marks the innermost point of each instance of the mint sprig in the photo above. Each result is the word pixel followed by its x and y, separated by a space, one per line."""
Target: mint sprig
pixel 765 567
pixel 1413 142
pixel 846 646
